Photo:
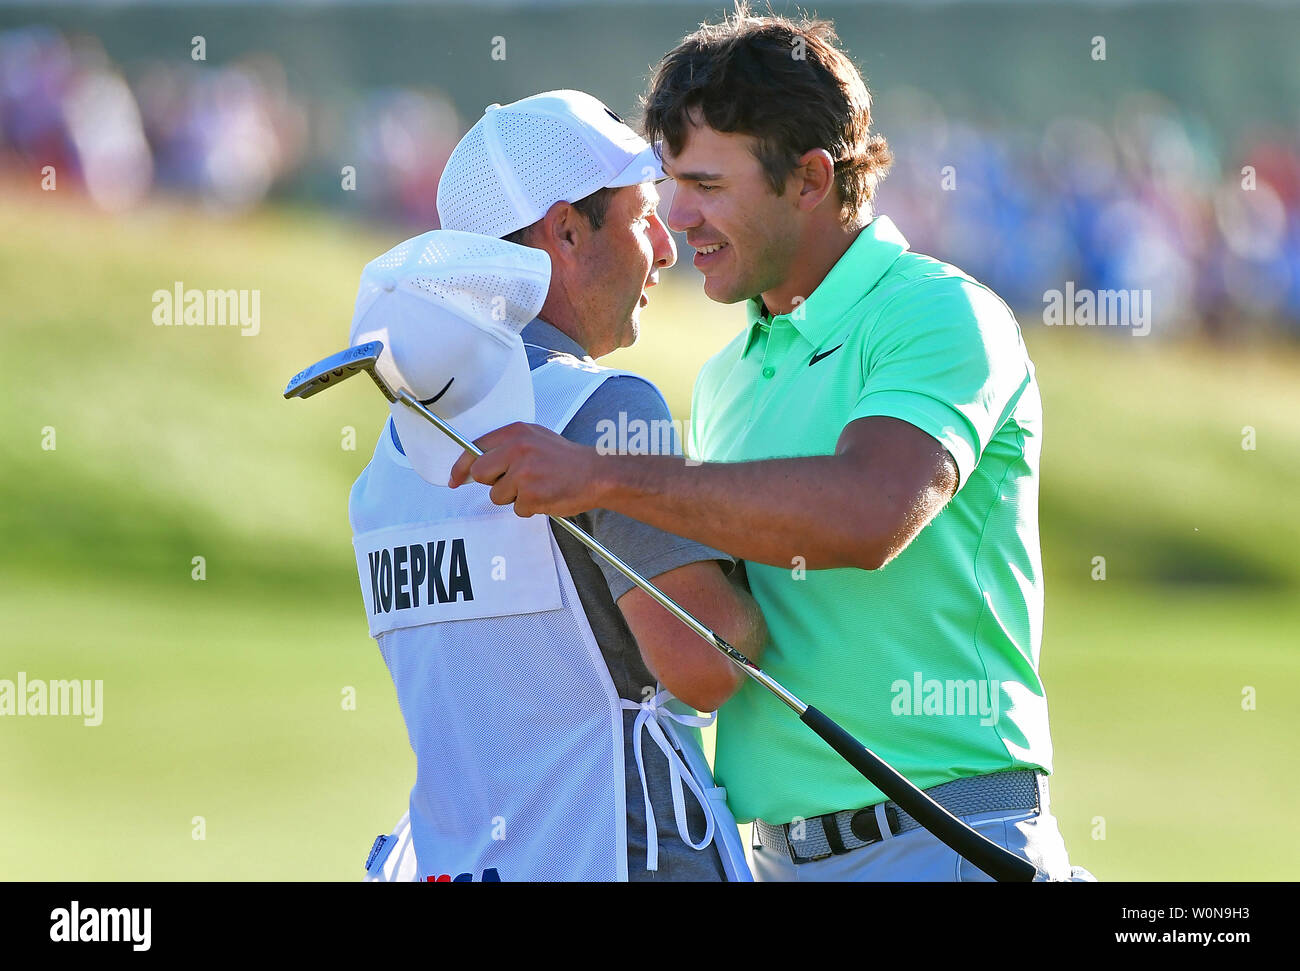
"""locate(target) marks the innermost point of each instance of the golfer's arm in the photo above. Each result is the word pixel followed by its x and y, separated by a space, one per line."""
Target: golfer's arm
pixel 686 664
pixel 857 508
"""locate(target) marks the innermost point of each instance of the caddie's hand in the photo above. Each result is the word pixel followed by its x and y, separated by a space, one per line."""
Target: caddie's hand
pixel 531 466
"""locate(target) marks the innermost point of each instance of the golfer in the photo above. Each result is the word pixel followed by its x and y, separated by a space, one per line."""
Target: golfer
pixel 548 742
pixel 871 442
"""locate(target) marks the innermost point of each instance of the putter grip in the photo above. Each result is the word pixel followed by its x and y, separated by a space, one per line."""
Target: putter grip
pixel 997 861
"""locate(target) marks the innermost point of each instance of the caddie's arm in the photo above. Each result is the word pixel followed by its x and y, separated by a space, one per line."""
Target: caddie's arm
pixel 691 669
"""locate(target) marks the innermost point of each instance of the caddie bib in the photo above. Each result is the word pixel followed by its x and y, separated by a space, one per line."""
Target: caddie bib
pixel 509 706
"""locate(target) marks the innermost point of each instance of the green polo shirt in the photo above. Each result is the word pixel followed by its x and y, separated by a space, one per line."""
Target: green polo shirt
pixel 931 661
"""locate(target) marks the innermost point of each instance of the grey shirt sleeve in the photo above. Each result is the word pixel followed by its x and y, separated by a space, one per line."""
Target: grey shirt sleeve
pixel 630 414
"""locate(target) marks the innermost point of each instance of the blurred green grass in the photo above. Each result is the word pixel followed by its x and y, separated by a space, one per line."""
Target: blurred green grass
pixel 223 696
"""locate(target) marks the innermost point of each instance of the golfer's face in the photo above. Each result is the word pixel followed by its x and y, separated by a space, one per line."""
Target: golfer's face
pixel 742 232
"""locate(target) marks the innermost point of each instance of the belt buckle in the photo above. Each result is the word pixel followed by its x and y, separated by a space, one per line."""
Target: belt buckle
pixel 790 841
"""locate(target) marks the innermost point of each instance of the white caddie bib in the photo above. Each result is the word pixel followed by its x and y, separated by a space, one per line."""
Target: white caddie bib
pixel 511 712
pixel 456 569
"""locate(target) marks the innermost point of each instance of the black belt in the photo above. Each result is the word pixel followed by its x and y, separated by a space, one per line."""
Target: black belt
pixel 832 834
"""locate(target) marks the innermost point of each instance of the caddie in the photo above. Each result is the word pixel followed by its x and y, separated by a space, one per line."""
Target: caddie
pixel 543 713
pixel 871 442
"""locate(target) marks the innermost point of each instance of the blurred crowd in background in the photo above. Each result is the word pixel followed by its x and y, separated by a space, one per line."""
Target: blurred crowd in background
pixel 1149 199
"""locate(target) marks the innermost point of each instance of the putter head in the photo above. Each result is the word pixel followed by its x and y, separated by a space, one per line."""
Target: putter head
pixel 338 368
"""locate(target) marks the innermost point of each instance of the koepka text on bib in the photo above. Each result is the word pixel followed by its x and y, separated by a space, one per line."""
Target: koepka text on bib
pixel 458 569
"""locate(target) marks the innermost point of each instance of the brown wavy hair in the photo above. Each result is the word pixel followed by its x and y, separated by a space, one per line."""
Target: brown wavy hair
pixel 783 81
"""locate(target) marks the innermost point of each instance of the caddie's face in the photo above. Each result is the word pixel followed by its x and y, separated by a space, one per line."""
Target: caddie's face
pixel 745 236
pixel 623 262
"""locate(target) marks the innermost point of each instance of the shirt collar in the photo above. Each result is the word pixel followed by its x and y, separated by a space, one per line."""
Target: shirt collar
pixel 861 267
pixel 541 334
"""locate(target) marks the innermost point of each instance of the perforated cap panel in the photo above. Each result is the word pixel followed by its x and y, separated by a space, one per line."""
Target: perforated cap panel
pixel 484 280
pixel 471 197
pixel 550 160
pixel 520 159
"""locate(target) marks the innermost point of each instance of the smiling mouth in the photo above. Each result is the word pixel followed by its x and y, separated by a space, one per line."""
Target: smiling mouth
pixel 711 248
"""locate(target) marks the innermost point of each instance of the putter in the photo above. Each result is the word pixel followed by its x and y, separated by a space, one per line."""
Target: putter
pixel 997 861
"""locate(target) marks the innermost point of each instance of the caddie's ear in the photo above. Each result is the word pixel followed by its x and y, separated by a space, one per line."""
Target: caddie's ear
pixel 562 230
pixel 813 178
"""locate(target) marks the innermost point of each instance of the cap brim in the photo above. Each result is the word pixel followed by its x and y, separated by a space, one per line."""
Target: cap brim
pixel 646 167
pixel 432 453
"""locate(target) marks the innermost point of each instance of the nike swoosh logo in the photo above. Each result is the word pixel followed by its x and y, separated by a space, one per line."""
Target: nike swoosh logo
pixel 818 357
pixel 428 401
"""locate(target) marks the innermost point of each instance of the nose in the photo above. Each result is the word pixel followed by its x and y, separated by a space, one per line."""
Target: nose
pixel 665 250
pixel 681 214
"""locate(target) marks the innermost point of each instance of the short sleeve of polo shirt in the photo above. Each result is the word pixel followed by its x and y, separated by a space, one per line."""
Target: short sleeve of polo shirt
pixel 646 549
pixel 945 354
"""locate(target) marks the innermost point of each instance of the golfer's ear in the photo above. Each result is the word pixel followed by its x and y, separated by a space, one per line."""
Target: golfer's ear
pixel 814 176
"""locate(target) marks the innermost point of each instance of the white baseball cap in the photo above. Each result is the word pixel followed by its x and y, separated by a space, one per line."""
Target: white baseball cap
pixel 520 159
pixel 449 307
